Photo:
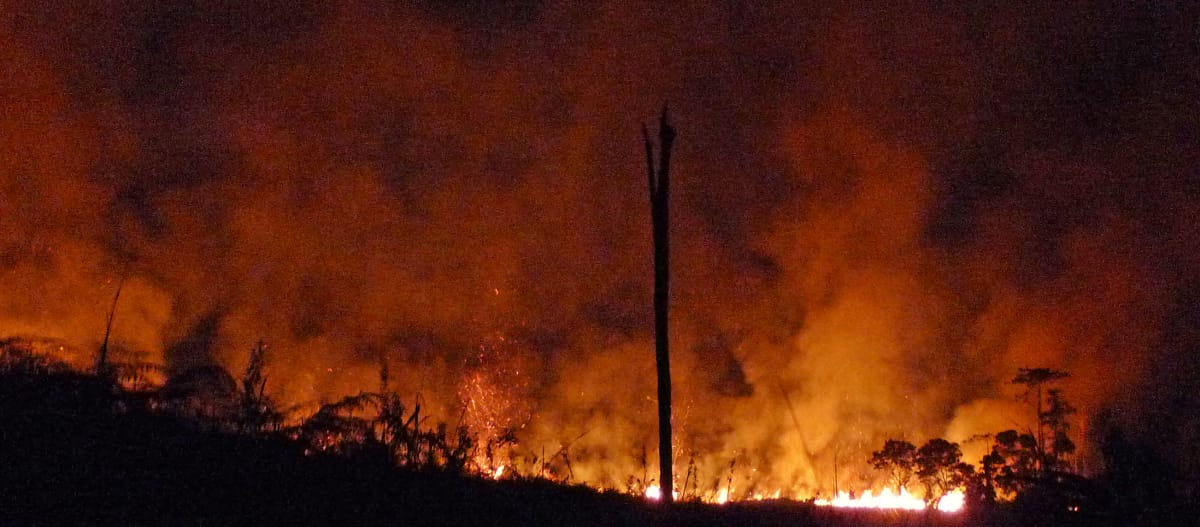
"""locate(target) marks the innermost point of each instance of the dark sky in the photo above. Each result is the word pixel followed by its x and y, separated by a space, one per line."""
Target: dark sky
pixel 880 212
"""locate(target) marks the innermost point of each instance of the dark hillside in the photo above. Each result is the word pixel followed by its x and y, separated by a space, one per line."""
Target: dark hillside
pixel 77 450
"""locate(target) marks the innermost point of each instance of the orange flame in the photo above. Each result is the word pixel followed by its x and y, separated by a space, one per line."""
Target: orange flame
pixel 887 498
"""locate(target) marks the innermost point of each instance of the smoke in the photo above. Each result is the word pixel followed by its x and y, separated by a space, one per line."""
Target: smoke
pixel 879 215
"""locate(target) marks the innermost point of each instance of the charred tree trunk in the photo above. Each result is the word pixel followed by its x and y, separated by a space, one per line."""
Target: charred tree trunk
pixel 660 191
pixel 103 368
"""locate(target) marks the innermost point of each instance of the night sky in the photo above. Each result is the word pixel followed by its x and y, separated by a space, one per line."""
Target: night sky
pixel 880 213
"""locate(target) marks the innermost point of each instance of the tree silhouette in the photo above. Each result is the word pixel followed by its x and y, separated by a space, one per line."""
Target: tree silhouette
pixel 940 468
pixel 1012 465
pixel 1055 418
pixel 1033 379
pixel 256 411
pixel 660 192
pixel 899 459
pixel 103 369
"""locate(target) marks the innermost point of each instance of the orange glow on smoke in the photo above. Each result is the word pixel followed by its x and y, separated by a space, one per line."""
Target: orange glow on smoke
pixel 468 207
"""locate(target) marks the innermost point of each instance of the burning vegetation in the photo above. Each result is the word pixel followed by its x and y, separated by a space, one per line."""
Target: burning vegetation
pixel 431 216
pixel 378 427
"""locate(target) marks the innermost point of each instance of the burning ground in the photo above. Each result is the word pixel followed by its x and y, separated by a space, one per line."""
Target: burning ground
pixel 880 214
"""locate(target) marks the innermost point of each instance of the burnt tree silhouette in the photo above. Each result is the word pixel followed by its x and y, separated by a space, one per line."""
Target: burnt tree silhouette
pixel 1033 379
pixel 103 368
pixel 256 411
pixel 1058 410
pixel 899 459
pixel 660 192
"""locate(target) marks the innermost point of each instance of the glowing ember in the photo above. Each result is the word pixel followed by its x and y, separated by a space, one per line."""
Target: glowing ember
pixel 890 499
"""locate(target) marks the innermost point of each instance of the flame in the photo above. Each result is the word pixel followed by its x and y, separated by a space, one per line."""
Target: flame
pixel 889 499
pixel 953 501
pixel 487 398
pixel 723 496
pixel 653 492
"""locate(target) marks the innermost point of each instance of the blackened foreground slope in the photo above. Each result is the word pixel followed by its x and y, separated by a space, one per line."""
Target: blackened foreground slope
pixel 74 451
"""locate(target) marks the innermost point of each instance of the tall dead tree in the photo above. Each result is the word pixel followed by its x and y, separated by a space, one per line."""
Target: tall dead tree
pixel 103 368
pixel 660 192
pixel 1034 378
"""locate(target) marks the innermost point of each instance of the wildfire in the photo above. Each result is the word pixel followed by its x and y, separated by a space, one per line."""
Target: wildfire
pixel 654 492
pixel 889 499
pixel 952 501
pixel 723 496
